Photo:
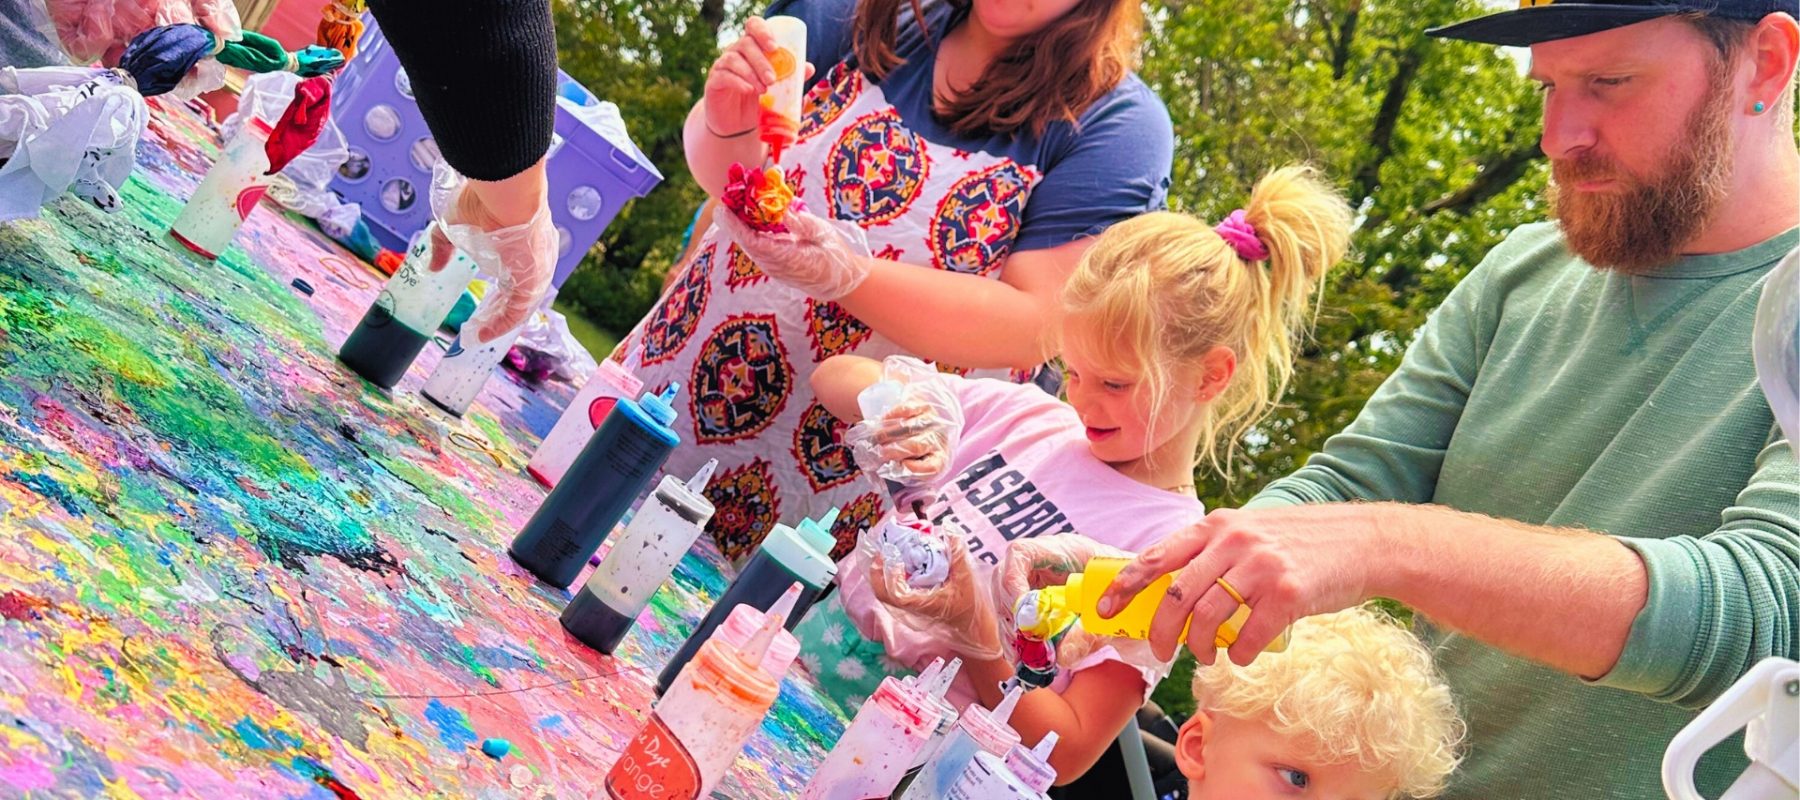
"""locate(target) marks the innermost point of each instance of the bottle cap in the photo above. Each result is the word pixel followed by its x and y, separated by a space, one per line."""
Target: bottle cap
pixel 940 685
pixel 698 483
pixel 1033 765
pixel 1013 690
pixel 742 623
pixel 798 557
pixel 989 728
pixel 661 408
pixel 817 535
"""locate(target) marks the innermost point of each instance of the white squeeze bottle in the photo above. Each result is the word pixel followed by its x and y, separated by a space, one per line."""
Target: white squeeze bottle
pixel 610 382
pixel 979 731
pixel 225 196
pixel 641 559
pixel 700 725
pixel 872 755
pixel 469 363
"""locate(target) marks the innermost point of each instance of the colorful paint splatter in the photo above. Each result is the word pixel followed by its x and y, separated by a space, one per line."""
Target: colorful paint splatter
pixel 229 568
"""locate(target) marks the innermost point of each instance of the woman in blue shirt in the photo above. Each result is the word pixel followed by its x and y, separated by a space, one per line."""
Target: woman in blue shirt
pixel 977 144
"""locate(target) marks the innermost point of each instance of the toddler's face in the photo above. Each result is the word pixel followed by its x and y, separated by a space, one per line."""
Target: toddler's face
pixel 1225 758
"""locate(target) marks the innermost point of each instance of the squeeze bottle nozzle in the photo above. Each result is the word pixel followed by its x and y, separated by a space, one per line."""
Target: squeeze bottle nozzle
pixel 698 483
pixel 1003 711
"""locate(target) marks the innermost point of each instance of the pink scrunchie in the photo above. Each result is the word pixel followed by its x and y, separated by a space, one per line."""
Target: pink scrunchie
pixel 1241 235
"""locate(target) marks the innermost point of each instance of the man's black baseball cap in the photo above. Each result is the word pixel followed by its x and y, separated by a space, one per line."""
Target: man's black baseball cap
pixel 1547 20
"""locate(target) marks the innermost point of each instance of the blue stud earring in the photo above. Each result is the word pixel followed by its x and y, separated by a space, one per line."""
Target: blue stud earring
pixel 1758 108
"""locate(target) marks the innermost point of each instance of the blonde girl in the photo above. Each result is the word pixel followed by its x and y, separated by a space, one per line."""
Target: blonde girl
pixel 1176 336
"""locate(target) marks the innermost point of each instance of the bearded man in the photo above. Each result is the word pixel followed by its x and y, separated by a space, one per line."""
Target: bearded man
pixel 1572 476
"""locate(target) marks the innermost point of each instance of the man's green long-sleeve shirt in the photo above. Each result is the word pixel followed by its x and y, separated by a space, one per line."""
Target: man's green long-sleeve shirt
pixel 1553 393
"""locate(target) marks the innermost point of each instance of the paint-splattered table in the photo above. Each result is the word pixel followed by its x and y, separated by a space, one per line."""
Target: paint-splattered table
pixel 229 568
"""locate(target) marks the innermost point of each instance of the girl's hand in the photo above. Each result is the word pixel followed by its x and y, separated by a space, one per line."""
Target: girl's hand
pixel 958 612
pixel 740 76
pixel 911 442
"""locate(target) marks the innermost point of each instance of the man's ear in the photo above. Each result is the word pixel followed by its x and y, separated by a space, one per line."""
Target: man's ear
pixel 1190 746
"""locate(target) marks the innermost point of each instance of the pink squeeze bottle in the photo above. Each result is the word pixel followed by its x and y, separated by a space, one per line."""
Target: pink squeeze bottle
pixel 702 722
pixel 873 754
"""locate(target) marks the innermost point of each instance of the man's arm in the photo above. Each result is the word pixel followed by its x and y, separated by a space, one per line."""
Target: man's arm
pixel 1721 602
pixel 1677 619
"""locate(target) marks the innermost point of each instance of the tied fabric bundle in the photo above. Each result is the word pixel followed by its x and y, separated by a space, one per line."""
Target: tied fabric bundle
pixel 61 131
pixel 259 53
pixel 340 25
pixel 160 57
pixel 300 124
pixel 758 197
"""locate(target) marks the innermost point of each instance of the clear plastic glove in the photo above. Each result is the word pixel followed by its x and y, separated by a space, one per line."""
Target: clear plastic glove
pixel 959 612
pixel 1049 561
pixel 825 259
pixel 907 436
pixel 521 258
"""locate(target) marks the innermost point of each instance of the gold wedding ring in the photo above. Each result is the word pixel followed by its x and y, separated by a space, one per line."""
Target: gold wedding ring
pixel 1231 591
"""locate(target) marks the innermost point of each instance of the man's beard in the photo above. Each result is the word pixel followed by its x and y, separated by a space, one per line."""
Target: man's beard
pixel 1645 222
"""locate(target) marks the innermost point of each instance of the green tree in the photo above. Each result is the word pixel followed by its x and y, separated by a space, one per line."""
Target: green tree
pixel 651 59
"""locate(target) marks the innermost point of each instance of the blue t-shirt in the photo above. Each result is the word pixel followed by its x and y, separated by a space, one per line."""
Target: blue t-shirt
pixel 1110 165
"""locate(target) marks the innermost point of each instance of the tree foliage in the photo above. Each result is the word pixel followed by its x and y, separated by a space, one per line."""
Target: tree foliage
pixel 650 59
pixel 1434 142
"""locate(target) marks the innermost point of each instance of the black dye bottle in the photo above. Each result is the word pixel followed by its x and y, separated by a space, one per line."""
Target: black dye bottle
pixel 409 309
pixel 613 469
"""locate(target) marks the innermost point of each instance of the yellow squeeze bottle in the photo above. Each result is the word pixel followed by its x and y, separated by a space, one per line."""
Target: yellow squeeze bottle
pixel 1080 595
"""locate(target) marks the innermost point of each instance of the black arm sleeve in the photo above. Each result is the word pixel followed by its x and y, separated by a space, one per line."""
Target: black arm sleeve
pixel 484 73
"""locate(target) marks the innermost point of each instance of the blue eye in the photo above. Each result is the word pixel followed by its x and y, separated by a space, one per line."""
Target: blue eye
pixel 1293 777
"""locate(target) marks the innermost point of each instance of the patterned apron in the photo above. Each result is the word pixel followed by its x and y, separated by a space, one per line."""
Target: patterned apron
pixel 744 347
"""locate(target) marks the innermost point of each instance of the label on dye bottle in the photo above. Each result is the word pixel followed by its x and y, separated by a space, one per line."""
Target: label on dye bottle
pixel 654 767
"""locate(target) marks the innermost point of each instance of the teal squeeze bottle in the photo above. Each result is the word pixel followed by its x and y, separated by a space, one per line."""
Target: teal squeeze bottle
pixel 614 468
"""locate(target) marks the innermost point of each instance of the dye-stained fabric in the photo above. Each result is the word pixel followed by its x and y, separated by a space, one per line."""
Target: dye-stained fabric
pixel 255 53
pixel 301 123
pixel 230 568
pixel 80 139
pixel 744 347
pixel 160 57
pixel 340 25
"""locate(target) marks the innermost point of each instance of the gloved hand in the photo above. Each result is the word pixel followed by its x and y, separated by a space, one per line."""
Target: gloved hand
pixel 521 258
pixel 906 436
pixel 825 259
pixel 959 612
pixel 1048 561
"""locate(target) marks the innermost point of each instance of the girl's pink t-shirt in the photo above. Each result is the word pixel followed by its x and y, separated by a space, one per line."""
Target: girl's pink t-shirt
pixel 1022 468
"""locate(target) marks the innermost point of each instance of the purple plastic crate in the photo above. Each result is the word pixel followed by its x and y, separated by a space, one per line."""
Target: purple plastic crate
pixel 392 153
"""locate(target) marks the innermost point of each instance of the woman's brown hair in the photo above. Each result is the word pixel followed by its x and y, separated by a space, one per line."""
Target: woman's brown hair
pixel 1053 74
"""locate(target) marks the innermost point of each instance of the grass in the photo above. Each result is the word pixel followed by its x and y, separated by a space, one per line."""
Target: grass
pixel 599 343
